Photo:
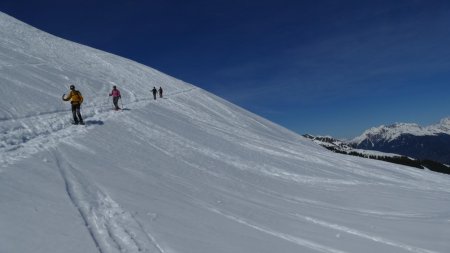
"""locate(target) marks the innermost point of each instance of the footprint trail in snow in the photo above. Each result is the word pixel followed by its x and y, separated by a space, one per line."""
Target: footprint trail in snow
pixel 113 229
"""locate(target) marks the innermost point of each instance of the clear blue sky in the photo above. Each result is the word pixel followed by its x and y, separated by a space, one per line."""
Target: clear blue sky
pixel 320 67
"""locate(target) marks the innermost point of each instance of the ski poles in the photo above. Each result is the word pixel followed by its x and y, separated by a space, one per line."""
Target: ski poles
pixel 108 101
pixel 121 102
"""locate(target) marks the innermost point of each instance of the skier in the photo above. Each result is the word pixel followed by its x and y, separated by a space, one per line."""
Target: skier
pixel 154 92
pixel 76 99
pixel 115 93
pixel 160 91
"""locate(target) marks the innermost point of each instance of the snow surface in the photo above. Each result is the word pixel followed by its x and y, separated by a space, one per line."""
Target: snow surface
pixel 190 173
pixel 392 132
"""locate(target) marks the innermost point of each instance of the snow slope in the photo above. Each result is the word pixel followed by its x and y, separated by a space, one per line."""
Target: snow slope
pixel 190 173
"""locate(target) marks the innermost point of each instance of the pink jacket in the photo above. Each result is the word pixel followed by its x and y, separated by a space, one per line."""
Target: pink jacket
pixel 115 93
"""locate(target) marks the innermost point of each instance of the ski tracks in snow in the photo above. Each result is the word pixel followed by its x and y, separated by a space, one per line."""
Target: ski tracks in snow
pixel 113 229
pixel 293 239
pixel 24 136
pixel 314 245
pixel 364 235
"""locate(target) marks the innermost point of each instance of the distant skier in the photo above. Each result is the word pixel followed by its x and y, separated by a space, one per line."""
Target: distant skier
pixel 115 93
pixel 154 91
pixel 160 91
pixel 76 99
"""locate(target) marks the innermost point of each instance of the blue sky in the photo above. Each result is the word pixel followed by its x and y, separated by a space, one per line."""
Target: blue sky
pixel 319 67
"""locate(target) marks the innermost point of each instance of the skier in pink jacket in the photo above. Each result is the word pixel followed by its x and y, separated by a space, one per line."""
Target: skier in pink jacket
pixel 115 93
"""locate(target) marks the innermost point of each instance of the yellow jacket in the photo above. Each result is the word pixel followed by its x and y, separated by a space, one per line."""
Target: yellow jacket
pixel 74 96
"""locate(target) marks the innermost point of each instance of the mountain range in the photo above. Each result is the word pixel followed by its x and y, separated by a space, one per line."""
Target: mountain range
pixel 430 142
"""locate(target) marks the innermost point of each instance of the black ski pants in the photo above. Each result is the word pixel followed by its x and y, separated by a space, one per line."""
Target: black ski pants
pixel 76 113
pixel 116 102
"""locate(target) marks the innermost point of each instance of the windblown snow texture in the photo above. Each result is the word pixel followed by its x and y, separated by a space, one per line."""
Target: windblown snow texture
pixel 191 173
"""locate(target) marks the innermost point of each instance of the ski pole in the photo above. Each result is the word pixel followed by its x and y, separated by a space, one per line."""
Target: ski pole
pixel 121 102
pixel 107 102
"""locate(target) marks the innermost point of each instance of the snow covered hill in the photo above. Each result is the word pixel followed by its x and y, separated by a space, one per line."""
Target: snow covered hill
pixel 344 147
pixel 191 173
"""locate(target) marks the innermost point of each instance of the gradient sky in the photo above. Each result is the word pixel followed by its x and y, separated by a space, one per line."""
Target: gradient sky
pixel 322 67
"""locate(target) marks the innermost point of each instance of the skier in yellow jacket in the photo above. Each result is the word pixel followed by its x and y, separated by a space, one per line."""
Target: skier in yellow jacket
pixel 76 99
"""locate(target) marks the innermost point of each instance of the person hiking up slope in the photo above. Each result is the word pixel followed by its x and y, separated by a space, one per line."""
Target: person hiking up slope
pixel 160 91
pixel 115 93
pixel 76 99
pixel 154 92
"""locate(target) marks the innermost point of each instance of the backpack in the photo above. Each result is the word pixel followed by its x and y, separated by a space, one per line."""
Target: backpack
pixel 77 97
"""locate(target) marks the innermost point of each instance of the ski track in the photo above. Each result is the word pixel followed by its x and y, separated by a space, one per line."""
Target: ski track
pixel 184 146
pixel 296 240
pixel 364 235
pixel 307 243
pixel 25 136
pixel 290 238
pixel 248 223
pixel 112 229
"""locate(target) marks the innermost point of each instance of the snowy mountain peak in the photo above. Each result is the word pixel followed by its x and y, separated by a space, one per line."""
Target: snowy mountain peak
pixel 393 131
pixel 423 143
pixel 444 125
